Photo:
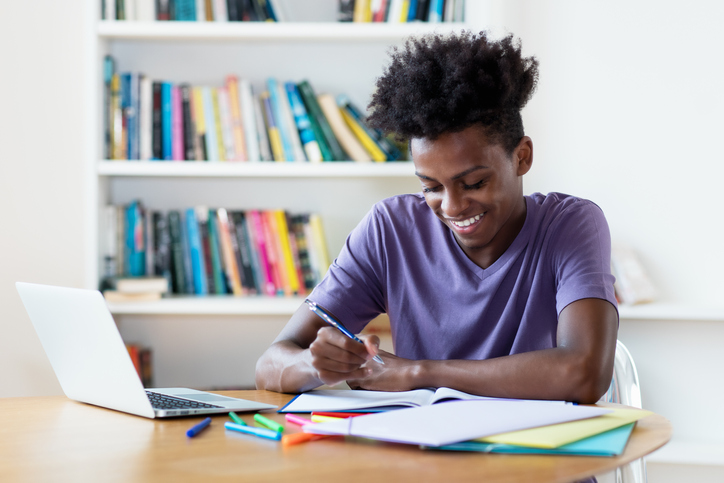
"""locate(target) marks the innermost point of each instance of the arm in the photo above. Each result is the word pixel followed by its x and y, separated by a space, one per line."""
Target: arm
pixel 309 353
pixel 578 369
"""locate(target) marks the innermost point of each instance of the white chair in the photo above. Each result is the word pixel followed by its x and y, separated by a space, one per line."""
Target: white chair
pixel 625 389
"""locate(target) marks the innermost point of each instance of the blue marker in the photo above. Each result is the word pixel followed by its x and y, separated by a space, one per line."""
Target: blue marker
pixel 337 324
pixel 264 433
pixel 198 428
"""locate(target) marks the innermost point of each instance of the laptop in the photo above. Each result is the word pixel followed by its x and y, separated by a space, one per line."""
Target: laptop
pixel 92 364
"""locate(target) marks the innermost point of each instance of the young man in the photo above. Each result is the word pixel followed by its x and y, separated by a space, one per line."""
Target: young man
pixel 488 291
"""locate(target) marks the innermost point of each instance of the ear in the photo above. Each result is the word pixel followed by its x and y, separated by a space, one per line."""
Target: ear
pixel 523 154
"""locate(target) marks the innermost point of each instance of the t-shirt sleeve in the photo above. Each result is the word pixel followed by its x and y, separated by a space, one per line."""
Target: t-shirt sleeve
pixel 352 289
pixel 581 247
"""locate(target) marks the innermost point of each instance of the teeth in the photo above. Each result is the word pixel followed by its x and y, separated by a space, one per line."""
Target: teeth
pixel 467 222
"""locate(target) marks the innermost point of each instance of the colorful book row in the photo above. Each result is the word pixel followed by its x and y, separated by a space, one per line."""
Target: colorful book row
pixel 402 11
pixel 158 120
pixel 206 251
pixel 193 10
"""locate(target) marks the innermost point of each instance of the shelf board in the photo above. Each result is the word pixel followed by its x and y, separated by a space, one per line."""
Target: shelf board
pixel 689 453
pixel 672 312
pixel 269 31
pixel 260 169
pixel 210 305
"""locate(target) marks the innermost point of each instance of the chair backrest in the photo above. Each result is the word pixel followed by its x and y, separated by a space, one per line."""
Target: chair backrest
pixel 624 388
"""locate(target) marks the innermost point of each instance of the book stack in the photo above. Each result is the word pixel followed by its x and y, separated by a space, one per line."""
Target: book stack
pixel 149 119
pixel 401 11
pixel 202 251
pixel 134 289
pixel 193 10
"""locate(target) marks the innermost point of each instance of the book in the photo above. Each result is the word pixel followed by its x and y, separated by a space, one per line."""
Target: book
pixel 161 259
pixel 145 118
pixel 262 138
pixel 367 141
pixel 372 401
pixel 345 10
pixel 455 421
pixel 391 151
pixel 135 285
pixel 177 125
pixel 247 261
pixel 178 271
pixel 198 263
pixel 290 124
pixel 304 127
pixel 275 141
pixel 235 113
pixel 197 111
pixel 202 218
pixel 227 133
pixel 212 146
pixel 279 123
pixel 345 136
pixel 219 128
pixel 109 67
pixel 320 125
pixel 114 296
pixel 258 240
pixel 166 122
pixel 362 11
pixel 135 261
pixel 156 121
pixel 230 264
pixel 189 128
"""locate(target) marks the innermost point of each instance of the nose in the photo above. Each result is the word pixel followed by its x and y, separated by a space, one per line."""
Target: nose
pixel 453 203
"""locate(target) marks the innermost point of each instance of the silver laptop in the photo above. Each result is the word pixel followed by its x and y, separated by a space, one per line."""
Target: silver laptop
pixel 92 363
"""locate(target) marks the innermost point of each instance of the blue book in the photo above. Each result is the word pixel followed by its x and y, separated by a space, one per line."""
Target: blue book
pixel 304 125
pixel 166 128
pixel 198 266
pixel 212 146
pixel 435 15
pixel 412 12
pixel 135 249
pixel 608 443
pixel 279 117
pixel 129 107
pixel 216 264
pixel 186 10
pixel 186 251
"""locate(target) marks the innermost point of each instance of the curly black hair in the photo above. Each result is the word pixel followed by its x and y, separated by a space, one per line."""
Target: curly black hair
pixel 447 83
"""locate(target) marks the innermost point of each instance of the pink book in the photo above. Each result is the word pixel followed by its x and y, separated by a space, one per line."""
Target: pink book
pixel 177 125
pixel 259 239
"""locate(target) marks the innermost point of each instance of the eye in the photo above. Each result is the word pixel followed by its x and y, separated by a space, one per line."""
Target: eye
pixel 475 186
pixel 428 189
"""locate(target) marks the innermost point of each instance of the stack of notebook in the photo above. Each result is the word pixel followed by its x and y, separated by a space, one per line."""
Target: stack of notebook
pixel 447 419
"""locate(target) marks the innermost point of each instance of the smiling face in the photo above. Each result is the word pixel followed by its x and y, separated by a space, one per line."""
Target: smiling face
pixel 475 188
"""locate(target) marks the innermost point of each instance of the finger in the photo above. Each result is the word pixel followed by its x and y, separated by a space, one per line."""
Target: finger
pixel 335 338
pixel 372 344
pixel 322 349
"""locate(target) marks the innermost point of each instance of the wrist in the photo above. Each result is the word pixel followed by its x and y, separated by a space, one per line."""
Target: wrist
pixel 420 374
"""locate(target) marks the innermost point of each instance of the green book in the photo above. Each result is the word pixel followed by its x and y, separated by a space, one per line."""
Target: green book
pixel 214 244
pixel 320 125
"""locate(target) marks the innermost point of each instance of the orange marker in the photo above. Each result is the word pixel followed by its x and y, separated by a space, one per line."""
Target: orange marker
pixel 296 438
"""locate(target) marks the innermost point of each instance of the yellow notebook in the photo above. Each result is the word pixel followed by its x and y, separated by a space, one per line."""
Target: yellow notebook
pixel 557 435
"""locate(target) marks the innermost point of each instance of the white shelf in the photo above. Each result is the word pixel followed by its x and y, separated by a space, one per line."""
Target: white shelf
pixel 671 312
pixel 210 305
pixel 260 169
pixel 268 31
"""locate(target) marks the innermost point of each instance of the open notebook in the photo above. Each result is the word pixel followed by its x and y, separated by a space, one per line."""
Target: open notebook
pixel 374 401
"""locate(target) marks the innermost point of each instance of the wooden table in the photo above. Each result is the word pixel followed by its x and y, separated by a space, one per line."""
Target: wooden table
pixel 47 439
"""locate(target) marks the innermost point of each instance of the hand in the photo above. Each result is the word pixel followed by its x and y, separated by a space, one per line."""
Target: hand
pixel 396 374
pixel 337 358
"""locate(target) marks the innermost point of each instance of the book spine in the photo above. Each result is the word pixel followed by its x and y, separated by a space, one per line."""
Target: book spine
pixel 250 121
pixel 423 10
pixel 290 268
pixel 231 265
pixel 290 126
pixel 315 112
pixel 178 278
pixel 321 254
pixel 340 129
pixel 237 124
pixel 149 241
pixel 166 123
pixel 297 224
pixel 295 256
pixel 435 13
pixel 189 129
pixel 248 259
pixel 145 119
pixel 227 135
pixel 156 120
pixel 345 10
pixel 367 142
pixel 200 122
pixel 186 10
pixel 162 247
pixel 200 10
pixel 220 148
pixel 109 240
pixel 265 151
pixel 212 147
pixel 108 71
pixel 272 251
pixel 127 113
pixel 412 11
pixel 135 238
pixel 304 126
pixel 186 252
pixel 259 238
pixel 390 150
pixel 197 254
pixel 216 256
pixel 274 137
pixel 121 240
pixel 276 107
pixel 177 125
pixel 202 217
pixel 117 115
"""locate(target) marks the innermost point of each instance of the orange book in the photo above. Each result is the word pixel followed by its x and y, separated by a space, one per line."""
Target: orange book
pixel 237 125
pixel 280 266
pixel 290 270
pixel 227 252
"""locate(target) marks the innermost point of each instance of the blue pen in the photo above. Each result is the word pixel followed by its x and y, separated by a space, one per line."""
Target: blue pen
pixel 198 428
pixel 337 324
pixel 262 432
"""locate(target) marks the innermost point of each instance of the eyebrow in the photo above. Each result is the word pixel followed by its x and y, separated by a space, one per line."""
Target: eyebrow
pixel 457 176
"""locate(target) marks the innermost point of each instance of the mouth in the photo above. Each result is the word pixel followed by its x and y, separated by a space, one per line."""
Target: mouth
pixel 467 224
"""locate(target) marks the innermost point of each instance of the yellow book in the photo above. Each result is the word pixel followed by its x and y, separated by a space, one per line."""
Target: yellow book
pixel 362 11
pixel 198 103
pixel 320 245
pixel 274 255
pixel 405 10
pixel 286 249
pixel 237 125
pixel 275 141
pixel 367 142
pixel 116 118
pixel 217 121
pixel 343 133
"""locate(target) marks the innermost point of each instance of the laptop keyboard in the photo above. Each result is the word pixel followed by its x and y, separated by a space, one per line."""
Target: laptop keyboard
pixel 161 401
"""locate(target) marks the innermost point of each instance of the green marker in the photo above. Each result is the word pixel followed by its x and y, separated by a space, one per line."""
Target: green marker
pixel 237 419
pixel 273 425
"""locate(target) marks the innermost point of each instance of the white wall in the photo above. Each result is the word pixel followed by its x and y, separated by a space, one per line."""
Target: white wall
pixel 41 173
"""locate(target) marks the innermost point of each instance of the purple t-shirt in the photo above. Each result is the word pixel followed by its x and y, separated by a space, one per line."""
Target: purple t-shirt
pixel 403 261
